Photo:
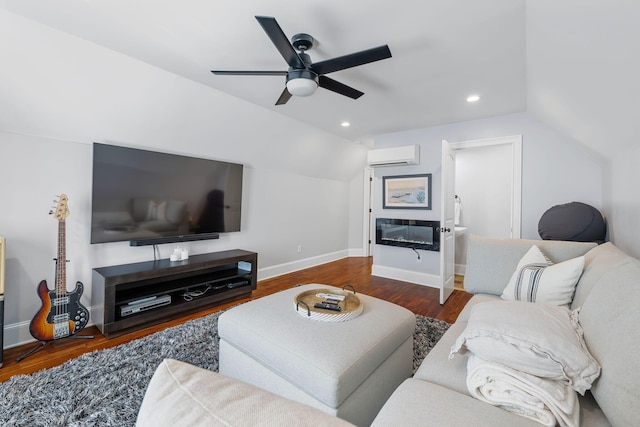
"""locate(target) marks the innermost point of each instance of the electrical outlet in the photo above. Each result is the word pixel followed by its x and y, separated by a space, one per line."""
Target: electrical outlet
pixel 299 248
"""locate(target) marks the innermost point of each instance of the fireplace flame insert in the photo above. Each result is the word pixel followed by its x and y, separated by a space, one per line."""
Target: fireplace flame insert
pixel 408 233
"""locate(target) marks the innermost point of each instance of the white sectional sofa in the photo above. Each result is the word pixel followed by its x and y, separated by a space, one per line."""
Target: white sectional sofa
pixel 607 296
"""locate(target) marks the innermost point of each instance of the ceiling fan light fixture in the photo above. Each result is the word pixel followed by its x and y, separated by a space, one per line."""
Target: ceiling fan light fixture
pixel 301 86
pixel 302 82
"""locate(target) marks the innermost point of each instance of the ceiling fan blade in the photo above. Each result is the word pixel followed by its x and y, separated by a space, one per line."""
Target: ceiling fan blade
pixel 248 73
pixel 280 40
pixel 284 97
pixel 337 87
pixel 352 60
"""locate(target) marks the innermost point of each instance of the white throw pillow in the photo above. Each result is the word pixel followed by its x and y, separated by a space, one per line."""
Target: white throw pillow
pixel 536 279
pixel 538 339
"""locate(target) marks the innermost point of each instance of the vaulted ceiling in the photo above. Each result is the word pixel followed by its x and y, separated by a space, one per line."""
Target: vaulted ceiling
pixel 573 64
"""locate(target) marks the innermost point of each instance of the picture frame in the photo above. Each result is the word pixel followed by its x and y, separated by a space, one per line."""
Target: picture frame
pixel 406 191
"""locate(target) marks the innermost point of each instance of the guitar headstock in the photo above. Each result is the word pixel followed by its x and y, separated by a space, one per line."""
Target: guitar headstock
pixel 62 210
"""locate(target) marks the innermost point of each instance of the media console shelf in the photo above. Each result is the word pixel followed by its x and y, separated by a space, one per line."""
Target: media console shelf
pixel 133 296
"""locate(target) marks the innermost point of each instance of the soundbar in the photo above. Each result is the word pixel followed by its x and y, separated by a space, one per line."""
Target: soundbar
pixel 144 304
pixel 173 239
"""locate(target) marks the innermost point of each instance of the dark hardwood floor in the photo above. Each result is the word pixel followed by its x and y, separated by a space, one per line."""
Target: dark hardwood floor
pixel 419 299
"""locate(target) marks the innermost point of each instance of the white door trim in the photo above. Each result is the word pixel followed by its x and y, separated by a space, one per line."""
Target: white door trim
pixel 368 225
pixel 447 222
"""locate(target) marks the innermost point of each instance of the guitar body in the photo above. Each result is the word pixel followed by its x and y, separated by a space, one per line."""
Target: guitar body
pixel 60 316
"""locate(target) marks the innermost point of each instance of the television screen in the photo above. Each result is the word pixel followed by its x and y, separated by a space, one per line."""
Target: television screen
pixel 147 197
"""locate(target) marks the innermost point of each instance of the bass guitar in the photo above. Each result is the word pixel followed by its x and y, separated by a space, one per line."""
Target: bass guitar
pixel 61 315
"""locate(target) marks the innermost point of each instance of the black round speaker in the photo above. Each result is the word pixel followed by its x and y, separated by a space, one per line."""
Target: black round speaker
pixel 575 221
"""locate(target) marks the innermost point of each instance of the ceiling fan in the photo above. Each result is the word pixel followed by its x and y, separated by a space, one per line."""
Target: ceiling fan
pixel 304 76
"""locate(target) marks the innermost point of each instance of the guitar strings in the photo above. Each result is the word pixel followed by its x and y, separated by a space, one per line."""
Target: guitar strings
pixel 61 305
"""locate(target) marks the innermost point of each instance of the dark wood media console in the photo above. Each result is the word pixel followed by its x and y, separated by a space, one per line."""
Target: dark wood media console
pixel 141 289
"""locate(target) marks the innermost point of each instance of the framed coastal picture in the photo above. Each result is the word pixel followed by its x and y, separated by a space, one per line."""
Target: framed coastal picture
pixel 406 191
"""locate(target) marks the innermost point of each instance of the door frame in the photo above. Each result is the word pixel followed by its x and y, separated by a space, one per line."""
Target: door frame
pixel 447 257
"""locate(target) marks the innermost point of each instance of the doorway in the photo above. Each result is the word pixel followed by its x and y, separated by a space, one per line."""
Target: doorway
pixel 488 177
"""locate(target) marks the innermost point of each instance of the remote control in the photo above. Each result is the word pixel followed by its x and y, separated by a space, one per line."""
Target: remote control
pixel 331 296
pixel 327 306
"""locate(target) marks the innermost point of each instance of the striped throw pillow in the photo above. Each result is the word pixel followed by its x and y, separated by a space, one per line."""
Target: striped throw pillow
pixel 537 279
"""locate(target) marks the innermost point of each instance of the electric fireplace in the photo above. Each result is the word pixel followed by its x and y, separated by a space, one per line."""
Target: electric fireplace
pixel 408 233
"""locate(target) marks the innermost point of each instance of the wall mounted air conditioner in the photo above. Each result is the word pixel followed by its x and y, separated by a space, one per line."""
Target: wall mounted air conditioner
pixel 394 156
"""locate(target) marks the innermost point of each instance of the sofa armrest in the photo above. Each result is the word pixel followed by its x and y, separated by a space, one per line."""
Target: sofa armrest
pixel 180 394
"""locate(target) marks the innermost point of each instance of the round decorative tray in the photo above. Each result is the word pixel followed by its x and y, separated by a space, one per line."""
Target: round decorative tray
pixel 350 307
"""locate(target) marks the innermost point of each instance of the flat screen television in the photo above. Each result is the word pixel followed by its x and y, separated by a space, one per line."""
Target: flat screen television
pixel 147 197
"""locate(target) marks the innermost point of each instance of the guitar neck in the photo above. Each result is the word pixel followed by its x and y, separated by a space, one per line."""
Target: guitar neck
pixel 61 270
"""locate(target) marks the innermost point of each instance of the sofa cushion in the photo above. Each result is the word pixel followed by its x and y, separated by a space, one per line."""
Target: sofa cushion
pixel 597 262
pixel 536 279
pixel 610 317
pixel 438 369
pixel 436 366
pixel 491 262
pixel 180 394
pixel 539 339
pixel 476 299
pixel 421 403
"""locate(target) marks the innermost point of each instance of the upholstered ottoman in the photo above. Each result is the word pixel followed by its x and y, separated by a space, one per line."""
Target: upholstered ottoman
pixel 348 369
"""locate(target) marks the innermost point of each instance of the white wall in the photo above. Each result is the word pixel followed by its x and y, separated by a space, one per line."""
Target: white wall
pixel 555 170
pixel 623 202
pixel 398 262
pixel 592 101
pixel 356 212
pixel 483 183
pixel 60 93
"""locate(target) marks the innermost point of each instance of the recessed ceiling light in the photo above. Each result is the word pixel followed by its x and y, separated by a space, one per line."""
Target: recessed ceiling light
pixel 345 124
pixel 473 98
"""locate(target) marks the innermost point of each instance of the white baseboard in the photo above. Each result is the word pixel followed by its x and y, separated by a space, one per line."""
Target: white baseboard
pixel 17 334
pixel 460 269
pixel 290 267
pixel 424 279
pixel 357 252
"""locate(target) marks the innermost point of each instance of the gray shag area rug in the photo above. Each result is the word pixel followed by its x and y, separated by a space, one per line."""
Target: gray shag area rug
pixel 106 387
